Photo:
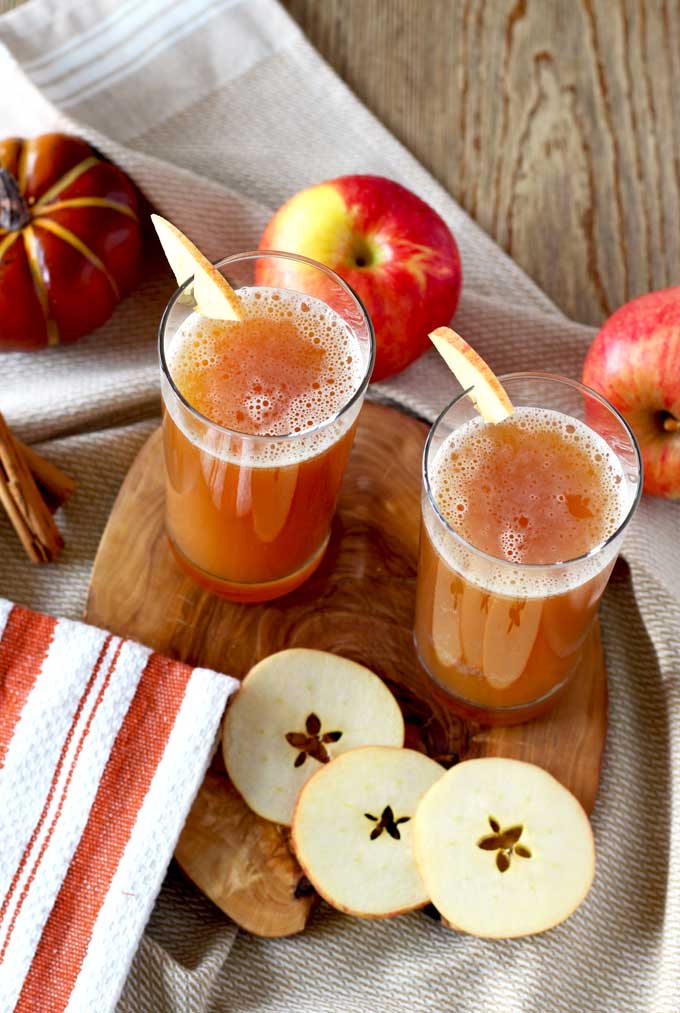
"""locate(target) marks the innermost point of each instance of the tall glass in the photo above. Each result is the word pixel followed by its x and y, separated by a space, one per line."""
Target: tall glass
pixel 503 638
pixel 249 516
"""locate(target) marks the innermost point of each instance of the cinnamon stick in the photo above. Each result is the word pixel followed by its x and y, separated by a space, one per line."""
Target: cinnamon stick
pixel 27 510
pixel 55 485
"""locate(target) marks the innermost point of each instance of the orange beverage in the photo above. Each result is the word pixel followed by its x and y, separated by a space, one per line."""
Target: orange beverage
pixel 259 420
pixel 522 522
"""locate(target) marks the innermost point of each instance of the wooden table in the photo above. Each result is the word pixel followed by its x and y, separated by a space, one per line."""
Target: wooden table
pixel 551 121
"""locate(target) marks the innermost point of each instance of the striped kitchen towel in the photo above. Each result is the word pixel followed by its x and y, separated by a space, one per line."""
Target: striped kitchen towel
pixel 103 746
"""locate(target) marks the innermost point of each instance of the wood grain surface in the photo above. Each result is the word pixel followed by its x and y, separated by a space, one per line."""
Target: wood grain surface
pixel 243 863
pixel 553 122
pixel 359 603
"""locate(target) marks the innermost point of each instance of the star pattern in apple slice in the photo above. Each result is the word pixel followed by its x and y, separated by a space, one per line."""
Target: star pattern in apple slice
pixel 386 822
pixel 312 742
pixel 505 843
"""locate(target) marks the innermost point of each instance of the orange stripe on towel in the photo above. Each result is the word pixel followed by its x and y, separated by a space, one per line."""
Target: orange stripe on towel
pixel 136 753
pixel 24 645
pixel 26 857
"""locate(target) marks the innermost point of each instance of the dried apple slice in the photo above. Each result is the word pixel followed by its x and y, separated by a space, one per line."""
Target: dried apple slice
pixel 446 616
pixel 564 616
pixel 503 848
pixel 469 368
pixel 352 830
pixel 473 618
pixel 272 498
pixel 213 295
pixel 295 711
pixel 510 634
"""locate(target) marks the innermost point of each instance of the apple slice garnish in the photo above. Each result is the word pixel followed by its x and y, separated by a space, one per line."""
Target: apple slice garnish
pixel 473 374
pixel 503 848
pixel 295 711
pixel 213 295
pixel 352 830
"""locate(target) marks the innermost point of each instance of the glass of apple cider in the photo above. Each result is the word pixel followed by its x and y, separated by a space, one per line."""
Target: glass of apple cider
pixel 258 422
pixel 521 524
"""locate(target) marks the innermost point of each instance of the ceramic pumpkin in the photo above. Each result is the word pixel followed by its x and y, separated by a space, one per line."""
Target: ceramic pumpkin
pixel 70 240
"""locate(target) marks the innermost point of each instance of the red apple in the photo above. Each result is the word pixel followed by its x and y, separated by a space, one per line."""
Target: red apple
pixel 396 253
pixel 635 362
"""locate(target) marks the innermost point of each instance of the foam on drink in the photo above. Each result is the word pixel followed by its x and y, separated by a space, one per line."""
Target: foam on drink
pixel 539 488
pixel 289 366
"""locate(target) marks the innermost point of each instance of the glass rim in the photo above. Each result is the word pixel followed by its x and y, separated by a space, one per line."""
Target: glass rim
pixel 497 560
pixel 260 438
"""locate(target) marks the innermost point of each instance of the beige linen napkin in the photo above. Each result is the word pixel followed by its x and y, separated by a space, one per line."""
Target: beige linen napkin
pixel 220 109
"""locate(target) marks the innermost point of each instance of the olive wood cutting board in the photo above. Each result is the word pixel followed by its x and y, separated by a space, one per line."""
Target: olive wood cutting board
pixel 360 604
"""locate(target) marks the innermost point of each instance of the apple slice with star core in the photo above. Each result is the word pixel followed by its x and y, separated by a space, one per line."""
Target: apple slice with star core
pixel 213 295
pixel 352 830
pixel 295 711
pixel 503 848
pixel 469 368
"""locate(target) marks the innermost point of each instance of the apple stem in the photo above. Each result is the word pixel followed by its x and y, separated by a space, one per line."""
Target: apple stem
pixel 671 424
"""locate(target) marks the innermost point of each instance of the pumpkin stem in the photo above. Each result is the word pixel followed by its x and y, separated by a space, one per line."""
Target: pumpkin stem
pixel 14 212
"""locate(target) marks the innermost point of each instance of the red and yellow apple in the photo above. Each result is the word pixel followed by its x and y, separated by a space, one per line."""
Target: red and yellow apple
pixel 391 247
pixel 635 362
